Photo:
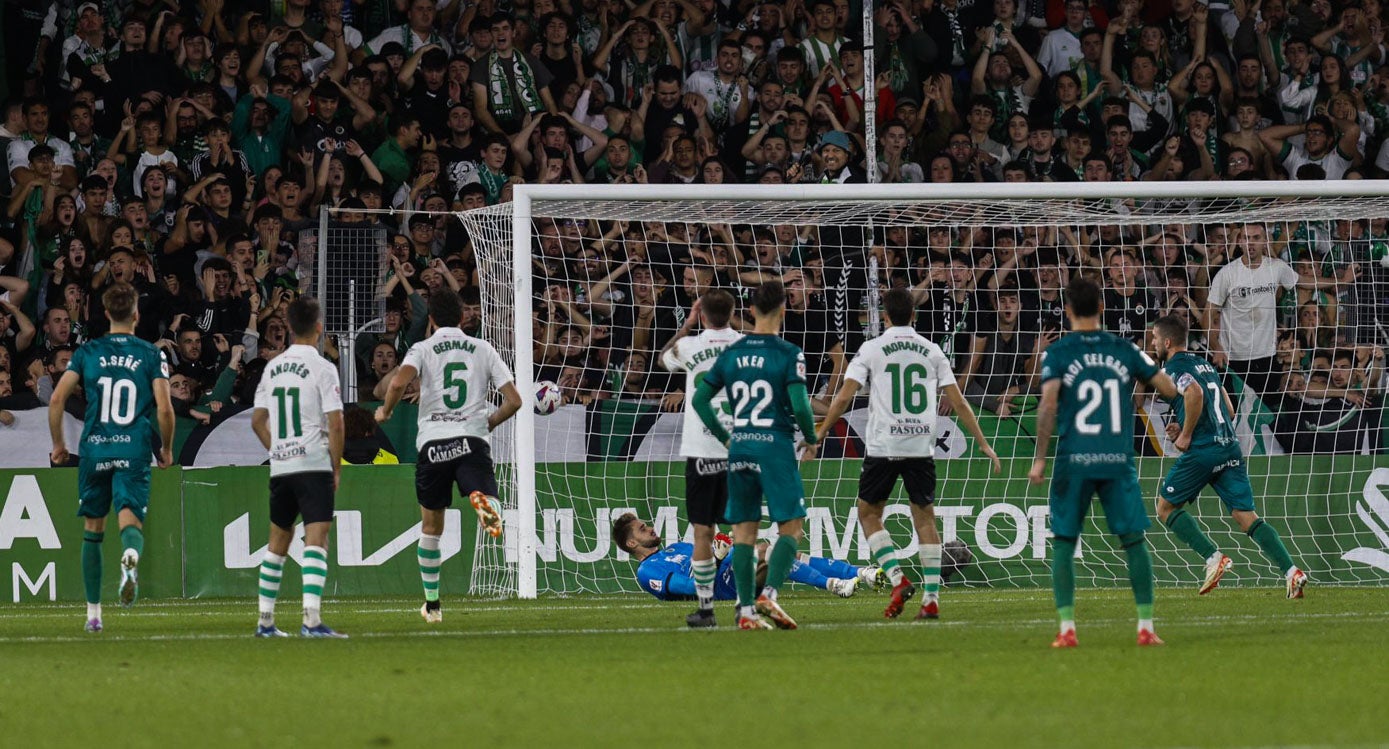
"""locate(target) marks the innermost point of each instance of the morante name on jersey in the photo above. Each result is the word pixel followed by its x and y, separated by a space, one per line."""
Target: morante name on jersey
pixel 893 348
pixel 454 345
pixel 1095 360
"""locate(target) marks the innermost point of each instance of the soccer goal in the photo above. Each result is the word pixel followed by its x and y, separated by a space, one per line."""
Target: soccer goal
pixel 583 286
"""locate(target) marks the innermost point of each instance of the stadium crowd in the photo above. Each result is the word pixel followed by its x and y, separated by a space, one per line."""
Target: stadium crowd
pixel 188 147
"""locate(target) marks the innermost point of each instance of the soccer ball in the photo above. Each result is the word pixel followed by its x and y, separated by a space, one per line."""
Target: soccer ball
pixel 547 397
pixel 955 557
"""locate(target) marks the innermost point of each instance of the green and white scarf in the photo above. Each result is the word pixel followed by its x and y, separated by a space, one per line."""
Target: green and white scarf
pixel 503 96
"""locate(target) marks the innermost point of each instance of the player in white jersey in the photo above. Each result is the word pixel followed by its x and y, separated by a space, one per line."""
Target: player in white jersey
pixel 298 417
pixel 706 459
pixel 457 374
pixel 905 372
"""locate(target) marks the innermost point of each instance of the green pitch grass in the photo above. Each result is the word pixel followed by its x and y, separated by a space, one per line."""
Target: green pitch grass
pixel 1241 668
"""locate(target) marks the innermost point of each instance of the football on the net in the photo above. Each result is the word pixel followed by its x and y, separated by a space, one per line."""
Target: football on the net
pixel 547 397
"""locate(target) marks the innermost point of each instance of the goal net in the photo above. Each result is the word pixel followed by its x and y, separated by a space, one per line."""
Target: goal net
pixel 583 288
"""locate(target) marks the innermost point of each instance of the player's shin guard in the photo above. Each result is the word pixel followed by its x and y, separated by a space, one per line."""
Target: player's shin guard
pixel 272 569
pixel 1140 575
pixel 1271 544
pixel 930 569
pixel 745 574
pixel 806 574
pixel 1063 580
pixel 704 571
pixel 779 562
pixel 885 554
pixel 315 575
pixel 91 565
pixel 429 558
pixel 1185 527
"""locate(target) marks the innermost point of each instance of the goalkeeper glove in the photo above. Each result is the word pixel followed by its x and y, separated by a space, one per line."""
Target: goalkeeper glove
pixel 722 544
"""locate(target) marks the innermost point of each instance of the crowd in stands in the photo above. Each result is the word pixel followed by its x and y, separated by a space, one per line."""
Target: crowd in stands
pixel 187 148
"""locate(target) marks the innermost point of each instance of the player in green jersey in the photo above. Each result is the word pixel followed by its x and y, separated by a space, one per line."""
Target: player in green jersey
pixel 764 379
pixel 1088 378
pixel 124 379
pixel 1210 456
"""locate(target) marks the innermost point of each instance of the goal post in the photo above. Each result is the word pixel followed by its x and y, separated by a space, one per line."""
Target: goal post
pixel 614 446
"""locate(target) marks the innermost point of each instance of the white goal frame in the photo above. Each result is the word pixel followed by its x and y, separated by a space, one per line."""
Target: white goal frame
pixel 526 197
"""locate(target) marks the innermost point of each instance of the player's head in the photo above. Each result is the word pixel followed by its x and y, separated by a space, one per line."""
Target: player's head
pixel 122 305
pixel 445 308
pixel 1083 299
pixel 1169 336
pixel 634 536
pixel 716 307
pixel 769 299
pixel 899 307
pixel 305 320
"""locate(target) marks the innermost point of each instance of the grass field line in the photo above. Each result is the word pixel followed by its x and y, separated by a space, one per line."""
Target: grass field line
pixel 1214 620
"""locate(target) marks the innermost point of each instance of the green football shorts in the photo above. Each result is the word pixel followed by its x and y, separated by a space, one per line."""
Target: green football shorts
pixel 112 483
pixel 1222 467
pixel 763 464
pixel 1119 494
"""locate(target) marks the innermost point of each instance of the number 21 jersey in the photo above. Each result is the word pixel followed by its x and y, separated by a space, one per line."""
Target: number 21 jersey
pixel 457 372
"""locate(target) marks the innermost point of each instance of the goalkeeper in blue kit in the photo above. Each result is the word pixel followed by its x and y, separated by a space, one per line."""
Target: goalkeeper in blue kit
pixel 666 572
pixel 1210 456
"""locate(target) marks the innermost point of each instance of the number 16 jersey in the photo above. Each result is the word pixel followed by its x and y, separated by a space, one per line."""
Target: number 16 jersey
pixel 904 372
pixel 457 372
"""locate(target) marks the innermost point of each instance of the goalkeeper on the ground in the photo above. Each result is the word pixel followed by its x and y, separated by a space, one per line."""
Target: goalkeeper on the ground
pixel 664 572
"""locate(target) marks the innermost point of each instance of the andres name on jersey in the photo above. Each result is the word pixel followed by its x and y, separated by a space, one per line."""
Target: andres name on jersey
pixel 447 451
pixel 290 367
pixel 1095 360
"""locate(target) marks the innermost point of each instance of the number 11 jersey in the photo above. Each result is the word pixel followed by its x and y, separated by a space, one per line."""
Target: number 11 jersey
pixel 298 390
pixel 457 372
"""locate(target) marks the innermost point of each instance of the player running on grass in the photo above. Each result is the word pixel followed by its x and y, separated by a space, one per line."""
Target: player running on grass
pixel 666 572
pixel 905 371
pixel 1088 378
pixel 457 374
pixel 764 376
pixel 1210 456
pixel 706 458
pixel 123 379
pixel 298 418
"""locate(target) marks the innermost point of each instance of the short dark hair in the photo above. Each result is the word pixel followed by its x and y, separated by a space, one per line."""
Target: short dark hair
pixel 1171 327
pixel 402 121
pixel 717 305
pixel 446 308
pixel 1083 296
pixel 304 314
pixel 769 296
pixel 120 301
pixel 899 306
pixel 622 530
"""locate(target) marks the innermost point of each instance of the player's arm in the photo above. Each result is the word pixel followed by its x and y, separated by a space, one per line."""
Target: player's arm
pixel 1164 386
pixel 164 412
pixel 404 375
pixel 704 407
pixel 337 434
pixel 511 403
pixel 1046 422
pixel 679 584
pixel 1195 402
pixel 838 406
pixel 260 424
pixel 66 384
pixel 800 407
pixel 690 321
pixel 1229 404
pixel 966 414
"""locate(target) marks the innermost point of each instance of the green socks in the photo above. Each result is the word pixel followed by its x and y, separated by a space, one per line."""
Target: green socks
pixel 1267 538
pixel 1185 527
pixel 745 573
pixel 1063 577
pixel 779 561
pixel 91 565
pixel 1140 573
pixel 133 538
